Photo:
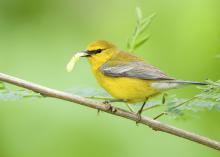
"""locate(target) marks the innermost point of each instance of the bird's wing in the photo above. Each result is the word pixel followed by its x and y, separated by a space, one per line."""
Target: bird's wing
pixel 127 65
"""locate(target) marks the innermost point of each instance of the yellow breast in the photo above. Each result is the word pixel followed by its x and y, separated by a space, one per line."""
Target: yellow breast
pixel 129 89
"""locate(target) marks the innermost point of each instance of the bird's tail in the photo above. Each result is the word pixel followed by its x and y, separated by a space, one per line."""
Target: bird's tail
pixel 170 84
pixel 188 82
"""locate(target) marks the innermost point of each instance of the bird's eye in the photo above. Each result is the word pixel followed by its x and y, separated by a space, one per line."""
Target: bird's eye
pixel 98 50
pixel 94 52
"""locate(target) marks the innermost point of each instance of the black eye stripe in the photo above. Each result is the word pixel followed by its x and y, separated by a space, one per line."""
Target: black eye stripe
pixel 96 51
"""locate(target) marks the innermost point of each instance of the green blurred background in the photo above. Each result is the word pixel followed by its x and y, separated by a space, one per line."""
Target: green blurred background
pixel 37 39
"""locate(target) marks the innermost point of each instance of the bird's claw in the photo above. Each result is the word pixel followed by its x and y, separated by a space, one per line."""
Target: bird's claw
pixel 139 117
pixel 109 107
pixel 107 103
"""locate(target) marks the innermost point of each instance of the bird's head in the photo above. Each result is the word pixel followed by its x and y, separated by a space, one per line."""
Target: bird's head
pixel 99 52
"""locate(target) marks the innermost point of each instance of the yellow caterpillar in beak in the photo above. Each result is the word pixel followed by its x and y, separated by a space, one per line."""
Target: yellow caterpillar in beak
pixel 71 64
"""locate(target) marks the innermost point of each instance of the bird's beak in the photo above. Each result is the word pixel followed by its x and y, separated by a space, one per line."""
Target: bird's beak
pixel 84 53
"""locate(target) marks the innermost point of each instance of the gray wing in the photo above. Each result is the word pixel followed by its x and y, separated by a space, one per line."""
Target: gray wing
pixel 133 69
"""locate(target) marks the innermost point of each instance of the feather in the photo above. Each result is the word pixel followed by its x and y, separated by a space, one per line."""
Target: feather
pixel 126 65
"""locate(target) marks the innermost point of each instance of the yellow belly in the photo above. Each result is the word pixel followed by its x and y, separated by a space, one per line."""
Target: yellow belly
pixel 129 89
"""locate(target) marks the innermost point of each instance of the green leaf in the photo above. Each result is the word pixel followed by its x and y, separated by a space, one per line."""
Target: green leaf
pixel 139 14
pixel 142 41
pixel 146 22
pixel 138 37
pixel 149 19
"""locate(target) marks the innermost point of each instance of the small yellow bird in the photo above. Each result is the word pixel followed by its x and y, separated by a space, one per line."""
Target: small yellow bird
pixel 126 77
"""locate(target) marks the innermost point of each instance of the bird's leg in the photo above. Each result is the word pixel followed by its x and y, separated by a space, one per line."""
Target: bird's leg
pixel 153 106
pixel 157 105
pixel 140 111
pixel 163 102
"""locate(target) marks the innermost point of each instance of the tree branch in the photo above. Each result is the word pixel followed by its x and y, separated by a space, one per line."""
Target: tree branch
pixel 154 124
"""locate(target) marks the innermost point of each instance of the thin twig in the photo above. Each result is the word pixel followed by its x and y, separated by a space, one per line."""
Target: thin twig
pixel 155 125
pixel 173 108
pixel 181 104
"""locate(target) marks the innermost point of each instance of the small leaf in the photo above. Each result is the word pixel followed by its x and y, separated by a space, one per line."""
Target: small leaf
pixel 148 19
pixel 138 38
pixel 142 41
pixel 146 23
pixel 139 14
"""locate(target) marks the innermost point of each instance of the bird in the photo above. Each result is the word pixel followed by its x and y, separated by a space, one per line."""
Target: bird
pixel 127 77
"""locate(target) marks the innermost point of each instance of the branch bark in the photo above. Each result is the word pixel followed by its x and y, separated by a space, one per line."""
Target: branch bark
pixel 154 124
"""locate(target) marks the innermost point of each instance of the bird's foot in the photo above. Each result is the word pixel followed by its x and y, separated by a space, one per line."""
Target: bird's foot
pixel 109 107
pixel 107 103
pixel 139 117
pixel 140 111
